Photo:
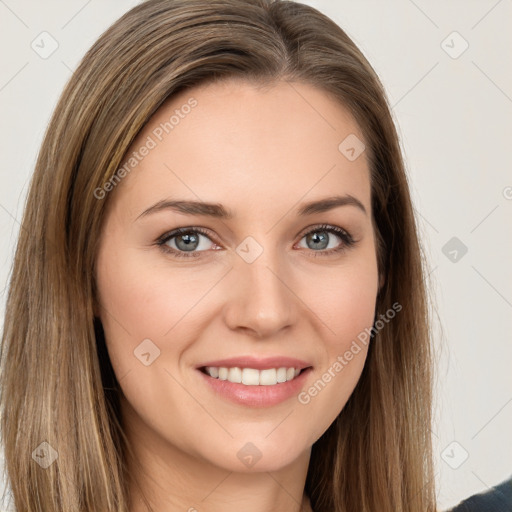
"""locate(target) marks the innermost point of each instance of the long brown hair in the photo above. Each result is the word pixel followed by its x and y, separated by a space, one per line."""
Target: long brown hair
pixel 56 381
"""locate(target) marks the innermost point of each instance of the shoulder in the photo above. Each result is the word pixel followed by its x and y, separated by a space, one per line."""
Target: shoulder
pixel 496 499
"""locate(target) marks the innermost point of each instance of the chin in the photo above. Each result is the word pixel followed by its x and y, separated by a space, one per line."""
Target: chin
pixel 254 454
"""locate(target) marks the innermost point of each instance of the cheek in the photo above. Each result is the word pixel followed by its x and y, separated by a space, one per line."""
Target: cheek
pixel 347 304
pixel 140 299
pixel 135 294
pixel 131 302
pixel 354 307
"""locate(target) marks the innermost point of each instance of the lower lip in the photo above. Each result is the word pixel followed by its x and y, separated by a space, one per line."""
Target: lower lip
pixel 257 396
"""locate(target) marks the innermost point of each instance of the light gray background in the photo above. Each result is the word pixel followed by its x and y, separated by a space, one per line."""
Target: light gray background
pixel 454 113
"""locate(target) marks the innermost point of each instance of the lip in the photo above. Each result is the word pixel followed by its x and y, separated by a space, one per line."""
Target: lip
pixel 256 396
pixel 257 363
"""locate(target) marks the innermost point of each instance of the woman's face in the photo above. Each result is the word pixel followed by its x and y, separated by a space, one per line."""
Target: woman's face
pixel 272 285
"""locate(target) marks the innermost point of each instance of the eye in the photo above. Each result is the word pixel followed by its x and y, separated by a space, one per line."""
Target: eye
pixel 320 240
pixel 184 242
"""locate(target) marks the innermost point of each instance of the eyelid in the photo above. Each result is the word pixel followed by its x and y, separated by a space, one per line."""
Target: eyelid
pixel 347 239
pixel 162 240
pixel 320 227
pixel 179 231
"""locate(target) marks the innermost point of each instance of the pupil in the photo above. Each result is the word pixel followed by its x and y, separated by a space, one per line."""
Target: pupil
pixel 322 239
pixel 189 241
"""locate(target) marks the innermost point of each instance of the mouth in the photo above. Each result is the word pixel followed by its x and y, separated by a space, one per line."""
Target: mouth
pixel 252 376
pixel 254 382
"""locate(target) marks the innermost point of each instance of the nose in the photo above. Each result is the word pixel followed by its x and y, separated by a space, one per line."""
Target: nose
pixel 260 299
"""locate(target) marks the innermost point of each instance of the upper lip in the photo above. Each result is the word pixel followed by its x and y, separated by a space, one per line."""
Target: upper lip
pixel 262 363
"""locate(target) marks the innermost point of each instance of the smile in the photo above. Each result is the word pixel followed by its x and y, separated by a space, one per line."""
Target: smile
pixel 252 376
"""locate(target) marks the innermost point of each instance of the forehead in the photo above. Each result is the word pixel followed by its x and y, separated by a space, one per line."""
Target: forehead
pixel 244 146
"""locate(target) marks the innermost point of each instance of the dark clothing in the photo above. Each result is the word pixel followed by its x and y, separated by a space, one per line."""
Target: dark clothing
pixel 496 499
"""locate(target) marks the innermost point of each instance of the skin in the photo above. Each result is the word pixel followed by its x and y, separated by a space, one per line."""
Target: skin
pixel 261 153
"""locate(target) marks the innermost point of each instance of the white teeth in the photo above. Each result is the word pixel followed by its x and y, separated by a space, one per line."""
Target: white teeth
pixel 281 375
pixel 235 375
pixel 250 377
pixel 268 377
pixel 253 377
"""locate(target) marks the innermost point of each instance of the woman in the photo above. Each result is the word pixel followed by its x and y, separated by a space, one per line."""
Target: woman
pixel 286 364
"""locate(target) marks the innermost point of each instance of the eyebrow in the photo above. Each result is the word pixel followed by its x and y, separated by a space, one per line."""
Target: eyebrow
pixel 220 212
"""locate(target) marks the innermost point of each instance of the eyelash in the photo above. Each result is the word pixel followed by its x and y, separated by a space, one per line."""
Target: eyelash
pixel 347 240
